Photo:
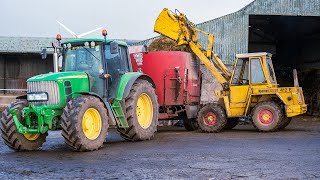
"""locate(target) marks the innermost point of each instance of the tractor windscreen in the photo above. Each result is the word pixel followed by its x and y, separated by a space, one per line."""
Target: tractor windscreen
pixel 86 59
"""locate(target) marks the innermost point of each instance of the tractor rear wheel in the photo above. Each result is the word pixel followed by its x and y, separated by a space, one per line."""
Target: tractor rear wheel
pixel 10 135
pixel 267 116
pixel 141 112
pixel 84 123
pixel 231 123
pixel 212 118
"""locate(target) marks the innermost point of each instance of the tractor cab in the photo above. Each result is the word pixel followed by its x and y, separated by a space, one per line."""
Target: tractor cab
pixel 103 60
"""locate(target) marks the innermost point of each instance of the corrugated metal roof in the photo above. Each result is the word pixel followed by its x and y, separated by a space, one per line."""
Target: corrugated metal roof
pixel 232 30
pixel 30 44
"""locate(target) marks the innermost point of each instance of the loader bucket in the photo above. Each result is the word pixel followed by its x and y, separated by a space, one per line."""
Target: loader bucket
pixel 168 25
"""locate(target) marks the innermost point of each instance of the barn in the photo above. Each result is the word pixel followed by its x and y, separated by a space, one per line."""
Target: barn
pixel 289 29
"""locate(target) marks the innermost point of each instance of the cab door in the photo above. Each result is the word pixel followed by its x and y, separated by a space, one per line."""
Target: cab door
pixel 116 65
pixel 239 88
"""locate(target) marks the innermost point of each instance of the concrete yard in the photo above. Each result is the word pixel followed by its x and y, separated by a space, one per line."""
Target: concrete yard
pixel 241 153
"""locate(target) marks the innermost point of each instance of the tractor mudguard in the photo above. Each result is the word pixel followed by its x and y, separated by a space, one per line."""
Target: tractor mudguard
pixel 112 120
pixel 127 81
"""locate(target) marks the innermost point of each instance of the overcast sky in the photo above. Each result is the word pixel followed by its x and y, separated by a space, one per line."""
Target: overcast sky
pixel 124 19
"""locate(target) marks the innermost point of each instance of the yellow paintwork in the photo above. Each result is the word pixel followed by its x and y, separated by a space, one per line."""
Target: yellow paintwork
pixel 144 111
pixel 31 137
pixel 237 99
pixel 91 123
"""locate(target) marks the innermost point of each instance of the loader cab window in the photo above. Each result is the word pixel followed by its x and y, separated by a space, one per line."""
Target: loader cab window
pixel 271 73
pixel 240 76
pixel 256 72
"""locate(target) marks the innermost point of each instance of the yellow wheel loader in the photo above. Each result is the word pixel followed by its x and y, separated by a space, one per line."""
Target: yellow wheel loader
pixel 251 91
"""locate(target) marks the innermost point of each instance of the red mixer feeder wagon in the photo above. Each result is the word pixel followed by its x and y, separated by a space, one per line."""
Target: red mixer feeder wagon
pixel 178 81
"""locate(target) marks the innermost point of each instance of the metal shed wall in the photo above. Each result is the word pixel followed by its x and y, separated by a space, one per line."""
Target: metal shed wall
pixel 232 30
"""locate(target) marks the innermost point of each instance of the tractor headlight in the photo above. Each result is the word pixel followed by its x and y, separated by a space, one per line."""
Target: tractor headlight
pixel 37 96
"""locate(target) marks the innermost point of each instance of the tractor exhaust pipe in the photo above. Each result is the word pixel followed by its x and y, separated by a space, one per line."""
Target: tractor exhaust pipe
pixel 55 61
pixel 295 78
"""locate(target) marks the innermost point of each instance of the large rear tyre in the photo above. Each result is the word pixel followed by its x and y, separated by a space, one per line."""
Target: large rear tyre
pixel 10 135
pixel 84 123
pixel 212 118
pixel 267 116
pixel 231 123
pixel 141 112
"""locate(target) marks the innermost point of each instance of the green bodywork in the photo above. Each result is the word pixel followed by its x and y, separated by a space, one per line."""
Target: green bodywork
pixel 47 117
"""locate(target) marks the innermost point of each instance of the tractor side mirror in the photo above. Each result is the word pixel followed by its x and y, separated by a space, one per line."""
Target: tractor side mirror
pixel 44 53
pixel 114 48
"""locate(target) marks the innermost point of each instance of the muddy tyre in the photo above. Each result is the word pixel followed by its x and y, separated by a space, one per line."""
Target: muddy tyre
pixel 267 116
pixel 141 108
pixel 285 122
pixel 231 123
pixel 212 118
pixel 10 135
pixel 84 123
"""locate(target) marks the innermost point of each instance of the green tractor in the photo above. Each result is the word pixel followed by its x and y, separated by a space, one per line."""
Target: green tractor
pixel 95 90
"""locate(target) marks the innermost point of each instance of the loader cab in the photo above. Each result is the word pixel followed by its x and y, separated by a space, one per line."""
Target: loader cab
pixel 105 61
pixel 250 70
pixel 253 69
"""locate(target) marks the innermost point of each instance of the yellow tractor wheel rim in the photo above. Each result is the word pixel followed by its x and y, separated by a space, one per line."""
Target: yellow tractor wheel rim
pixel 144 111
pixel 91 123
pixel 31 137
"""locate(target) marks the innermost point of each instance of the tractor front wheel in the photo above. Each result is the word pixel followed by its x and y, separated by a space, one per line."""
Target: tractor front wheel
pixel 212 118
pixel 84 123
pixel 141 112
pixel 10 135
pixel 267 116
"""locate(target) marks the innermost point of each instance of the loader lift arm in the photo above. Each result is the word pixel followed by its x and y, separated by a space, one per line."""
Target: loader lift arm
pixel 177 27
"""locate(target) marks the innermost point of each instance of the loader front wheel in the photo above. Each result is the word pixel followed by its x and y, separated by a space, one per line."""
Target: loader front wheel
pixel 212 118
pixel 267 116
pixel 141 112
pixel 10 135
pixel 84 123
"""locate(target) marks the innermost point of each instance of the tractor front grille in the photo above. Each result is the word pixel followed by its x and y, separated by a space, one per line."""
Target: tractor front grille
pixel 51 87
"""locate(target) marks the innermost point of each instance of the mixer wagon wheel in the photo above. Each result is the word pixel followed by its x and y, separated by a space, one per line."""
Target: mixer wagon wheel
pixel 141 112
pixel 189 124
pixel 231 123
pixel 84 123
pixel 10 135
pixel 212 118
pixel 267 116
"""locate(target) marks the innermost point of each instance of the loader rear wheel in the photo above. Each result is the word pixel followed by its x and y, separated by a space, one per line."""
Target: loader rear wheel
pixel 212 118
pixel 10 135
pixel 84 123
pixel 231 123
pixel 285 122
pixel 141 112
pixel 267 116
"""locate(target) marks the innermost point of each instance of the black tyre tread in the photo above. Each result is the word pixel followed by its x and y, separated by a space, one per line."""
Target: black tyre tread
pixel 278 112
pixel 72 135
pixel 231 123
pixel 10 135
pixel 190 124
pixel 219 111
pixel 135 132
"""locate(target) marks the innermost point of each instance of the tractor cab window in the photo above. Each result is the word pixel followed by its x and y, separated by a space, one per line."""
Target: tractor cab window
pixel 117 65
pixel 256 72
pixel 272 75
pixel 240 76
pixel 85 59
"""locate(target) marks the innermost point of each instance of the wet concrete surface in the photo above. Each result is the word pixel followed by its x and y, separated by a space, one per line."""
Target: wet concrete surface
pixel 241 153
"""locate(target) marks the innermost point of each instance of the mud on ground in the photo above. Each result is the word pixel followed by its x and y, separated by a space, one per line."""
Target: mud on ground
pixel 174 153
